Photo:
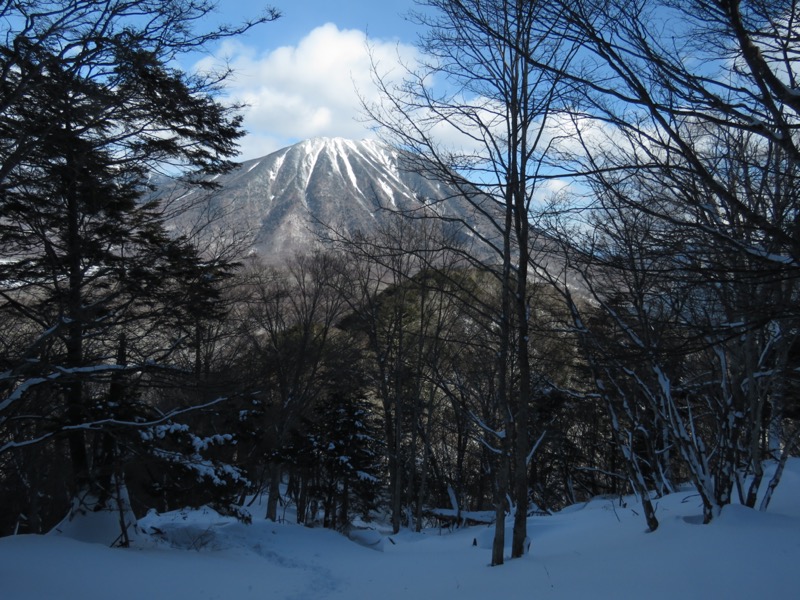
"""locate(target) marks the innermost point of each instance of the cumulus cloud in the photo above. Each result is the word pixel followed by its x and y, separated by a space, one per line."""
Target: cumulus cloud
pixel 303 91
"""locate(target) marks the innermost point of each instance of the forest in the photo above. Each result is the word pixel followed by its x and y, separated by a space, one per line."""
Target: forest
pixel 620 317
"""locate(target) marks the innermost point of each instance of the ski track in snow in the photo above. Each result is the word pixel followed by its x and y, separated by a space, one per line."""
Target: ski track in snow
pixel 320 581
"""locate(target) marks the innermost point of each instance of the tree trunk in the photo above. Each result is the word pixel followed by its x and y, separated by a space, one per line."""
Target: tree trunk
pixel 75 332
pixel 302 496
pixel 501 498
pixel 274 491
pixel 522 444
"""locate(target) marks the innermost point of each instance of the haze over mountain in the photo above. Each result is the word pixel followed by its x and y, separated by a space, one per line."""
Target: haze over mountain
pixel 290 197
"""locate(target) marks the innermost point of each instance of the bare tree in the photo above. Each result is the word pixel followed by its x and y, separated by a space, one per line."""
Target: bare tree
pixel 400 313
pixel 290 322
pixel 687 112
pixel 497 105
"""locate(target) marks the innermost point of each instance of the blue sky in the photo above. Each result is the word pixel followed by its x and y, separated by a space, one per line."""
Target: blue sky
pixel 381 18
pixel 299 74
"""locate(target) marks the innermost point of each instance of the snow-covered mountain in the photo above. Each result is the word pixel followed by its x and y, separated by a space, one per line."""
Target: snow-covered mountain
pixel 288 198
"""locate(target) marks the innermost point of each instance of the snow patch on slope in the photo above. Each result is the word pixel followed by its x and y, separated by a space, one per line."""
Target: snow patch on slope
pixel 344 156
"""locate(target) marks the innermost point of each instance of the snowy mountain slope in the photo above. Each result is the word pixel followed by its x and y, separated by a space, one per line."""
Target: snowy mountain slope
pixel 288 198
pixel 598 549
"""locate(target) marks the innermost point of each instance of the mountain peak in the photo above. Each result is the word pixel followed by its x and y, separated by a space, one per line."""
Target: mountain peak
pixel 284 198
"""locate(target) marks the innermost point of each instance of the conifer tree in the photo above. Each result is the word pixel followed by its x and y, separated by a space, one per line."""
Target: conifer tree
pixel 100 293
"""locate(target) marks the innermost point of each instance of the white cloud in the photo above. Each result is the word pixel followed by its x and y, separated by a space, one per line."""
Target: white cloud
pixel 307 90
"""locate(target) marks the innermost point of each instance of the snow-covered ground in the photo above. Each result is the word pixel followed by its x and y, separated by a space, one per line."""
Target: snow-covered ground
pixel 594 550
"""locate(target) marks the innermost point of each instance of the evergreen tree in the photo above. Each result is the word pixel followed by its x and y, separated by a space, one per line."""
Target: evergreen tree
pixel 99 293
pixel 345 441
